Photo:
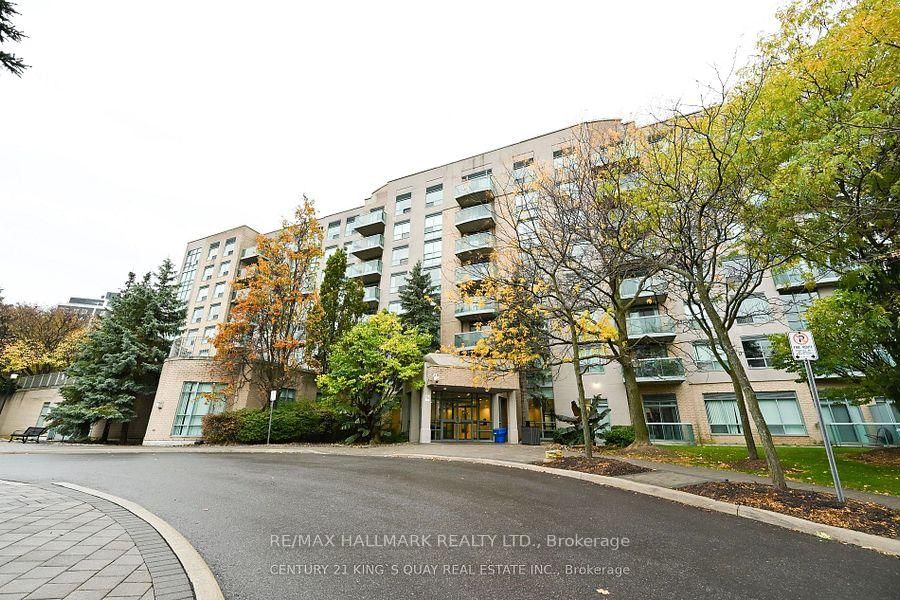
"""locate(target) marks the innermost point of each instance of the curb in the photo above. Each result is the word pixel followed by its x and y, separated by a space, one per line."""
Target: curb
pixel 847 536
pixel 202 579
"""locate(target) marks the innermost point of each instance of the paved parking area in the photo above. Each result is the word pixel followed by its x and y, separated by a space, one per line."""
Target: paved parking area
pixel 58 543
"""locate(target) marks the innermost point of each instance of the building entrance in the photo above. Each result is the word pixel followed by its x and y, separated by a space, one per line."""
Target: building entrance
pixel 460 416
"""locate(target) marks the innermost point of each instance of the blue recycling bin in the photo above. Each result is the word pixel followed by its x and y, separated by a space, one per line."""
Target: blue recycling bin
pixel 500 435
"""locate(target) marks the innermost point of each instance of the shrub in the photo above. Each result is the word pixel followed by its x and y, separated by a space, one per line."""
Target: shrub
pixel 222 428
pixel 619 436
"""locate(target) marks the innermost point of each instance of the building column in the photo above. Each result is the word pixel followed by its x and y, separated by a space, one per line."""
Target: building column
pixel 425 417
pixel 415 415
pixel 512 417
pixel 495 411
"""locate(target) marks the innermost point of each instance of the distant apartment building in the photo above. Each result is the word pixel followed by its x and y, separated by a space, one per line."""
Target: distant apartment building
pixel 445 217
pixel 89 307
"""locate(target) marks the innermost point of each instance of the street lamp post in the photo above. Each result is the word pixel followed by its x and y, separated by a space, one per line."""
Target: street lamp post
pixel 272 395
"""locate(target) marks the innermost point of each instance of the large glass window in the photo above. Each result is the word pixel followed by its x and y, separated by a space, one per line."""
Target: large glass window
pixel 213 251
pixel 403 204
pixel 522 171
pixel 435 275
pixel 334 230
pixel 705 358
pixel 203 293
pixel 795 306
pixel 209 333
pixel 434 224
pixel 229 246
pixel 755 309
pixel 197 315
pixel 722 412
pixel 781 413
pixel 401 231
pixel 758 351
pixel 400 256
pixel 219 290
pixel 348 227
pixel 286 395
pixel 197 399
pixel 398 280
pixel 432 256
pixel 208 271
pixel 434 195
pixel 188 272
pixel 224 269
pixel 214 312
pixel 395 307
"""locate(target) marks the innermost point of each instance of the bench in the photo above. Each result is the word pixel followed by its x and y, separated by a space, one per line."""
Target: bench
pixel 34 433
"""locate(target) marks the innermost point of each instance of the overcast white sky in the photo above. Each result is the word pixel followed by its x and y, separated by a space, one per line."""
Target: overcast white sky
pixel 144 125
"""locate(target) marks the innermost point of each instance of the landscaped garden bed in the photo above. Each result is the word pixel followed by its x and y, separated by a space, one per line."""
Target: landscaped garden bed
pixel 595 466
pixel 818 507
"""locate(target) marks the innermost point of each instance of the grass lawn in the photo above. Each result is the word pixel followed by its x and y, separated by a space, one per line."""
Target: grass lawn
pixel 807 464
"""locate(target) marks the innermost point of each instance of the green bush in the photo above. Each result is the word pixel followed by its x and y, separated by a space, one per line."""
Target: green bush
pixel 292 422
pixel 619 436
pixel 222 428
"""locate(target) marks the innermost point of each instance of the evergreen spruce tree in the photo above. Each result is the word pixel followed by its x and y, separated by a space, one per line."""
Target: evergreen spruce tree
pixel 421 308
pixel 120 361
pixel 339 308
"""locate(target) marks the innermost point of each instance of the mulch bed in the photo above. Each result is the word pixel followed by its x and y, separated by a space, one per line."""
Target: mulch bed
pixel 596 466
pixel 818 507
pixel 885 457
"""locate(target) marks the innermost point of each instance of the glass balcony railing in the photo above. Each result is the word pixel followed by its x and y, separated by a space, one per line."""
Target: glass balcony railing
pixel 633 287
pixel 677 433
pixel 803 276
pixel 659 369
pixel 371 294
pixel 474 188
pixel 473 272
pixel 249 253
pixel 469 218
pixel 651 326
pixel 374 245
pixel 364 269
pixel 475 306
pixel 472 243
pixel 369 223
pixel 468 339
pixel 864 434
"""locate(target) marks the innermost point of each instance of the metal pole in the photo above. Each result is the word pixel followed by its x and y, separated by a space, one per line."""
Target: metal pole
pixel 832 465
pixel 271 407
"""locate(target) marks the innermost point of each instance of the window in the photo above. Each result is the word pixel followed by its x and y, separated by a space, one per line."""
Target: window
pixel 219 290
pixel 435 275
pixel 197 399
pixel 329 251
pixel 705 359
pixel 758 351
pixel 477 175
pixel 190 340
pixel 286 395
pixel 432 257
pixel 334 230
pixel 42 418
pixel 348 227
pixel 213 251
pixel 592 360
pixel 695 314
pixel 562 158
pixel 188 272
pixel 403 204
pixel 214 311
pixel 434 224
pixel 401 231
pixel 398 280
pixel 197 315
pixel 795 306
pixel 209 333
pixel 395 307
pixel 434 195
pixel 203 293
pixel 224 269
pixel 754 309
pixel 722 412
pixel 229 247
pixel 521 171
pixel 400 256
pixel 203 352
pixel 208 272
pixel 781 413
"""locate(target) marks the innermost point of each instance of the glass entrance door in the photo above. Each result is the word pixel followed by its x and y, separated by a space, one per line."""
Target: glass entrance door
pixel 460 416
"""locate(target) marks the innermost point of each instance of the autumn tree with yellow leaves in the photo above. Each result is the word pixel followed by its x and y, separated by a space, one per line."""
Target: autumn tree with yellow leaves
pixel 262 344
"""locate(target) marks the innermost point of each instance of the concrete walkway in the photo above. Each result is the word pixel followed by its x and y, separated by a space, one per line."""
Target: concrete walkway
pixel 58 543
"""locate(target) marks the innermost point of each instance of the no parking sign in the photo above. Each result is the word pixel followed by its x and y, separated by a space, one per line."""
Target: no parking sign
pixel 803 347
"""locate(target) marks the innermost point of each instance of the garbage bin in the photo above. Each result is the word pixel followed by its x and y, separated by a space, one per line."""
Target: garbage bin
pixel 500 435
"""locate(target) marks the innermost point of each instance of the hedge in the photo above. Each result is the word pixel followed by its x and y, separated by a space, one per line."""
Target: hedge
pixel 292 422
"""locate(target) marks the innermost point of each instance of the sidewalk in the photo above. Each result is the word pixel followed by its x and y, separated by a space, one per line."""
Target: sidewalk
pixel 58 543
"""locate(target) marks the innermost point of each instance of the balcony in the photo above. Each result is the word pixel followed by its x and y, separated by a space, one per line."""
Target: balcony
pixel 475 191
pixel 475 245
pixel 367 272
pixel 864 434
pixel 249 255
pixel 655 370
pixel 372 295
pixel 368 247
pixel 468 339
pixel 654 286
pixel 656 327
pixel 475 218
pixel 671 433
pixel 803 277
pixel 473 272
pixel 476 309
pixel 370 224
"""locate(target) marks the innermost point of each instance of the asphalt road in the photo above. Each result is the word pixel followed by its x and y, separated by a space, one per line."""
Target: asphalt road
pixel 235 508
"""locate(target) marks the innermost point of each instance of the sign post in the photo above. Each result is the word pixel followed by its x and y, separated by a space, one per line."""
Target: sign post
pixel 803 348
pixel 272 396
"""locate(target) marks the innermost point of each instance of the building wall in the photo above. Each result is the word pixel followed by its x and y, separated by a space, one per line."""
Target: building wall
pixel 23 408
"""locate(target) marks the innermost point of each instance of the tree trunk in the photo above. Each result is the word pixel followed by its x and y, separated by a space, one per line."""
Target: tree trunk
pixel 635 403
pixel 123 434
pixel 739 378
pixel 522 404
pixel 752 452
pixel 105 435
pixel 585 410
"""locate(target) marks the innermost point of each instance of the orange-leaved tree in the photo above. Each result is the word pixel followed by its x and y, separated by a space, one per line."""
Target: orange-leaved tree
pixel 262 343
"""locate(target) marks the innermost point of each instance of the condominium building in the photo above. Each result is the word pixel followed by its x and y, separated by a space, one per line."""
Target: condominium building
pixel 446 217
pixel 88 307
